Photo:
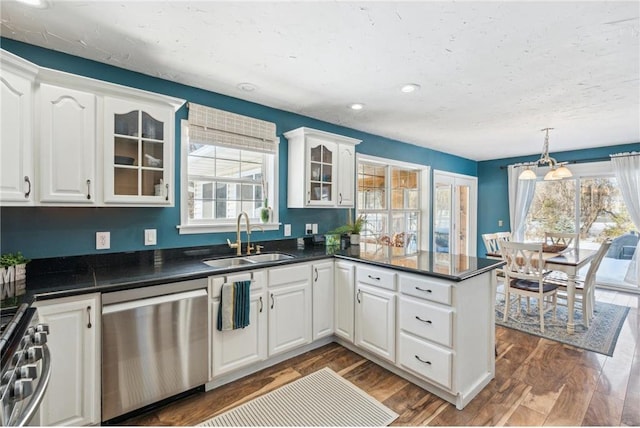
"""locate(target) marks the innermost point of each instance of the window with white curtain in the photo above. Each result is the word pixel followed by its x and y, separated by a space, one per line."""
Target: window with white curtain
pixel 229 165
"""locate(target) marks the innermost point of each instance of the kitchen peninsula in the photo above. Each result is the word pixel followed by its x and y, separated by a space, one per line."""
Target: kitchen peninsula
pixel 427 317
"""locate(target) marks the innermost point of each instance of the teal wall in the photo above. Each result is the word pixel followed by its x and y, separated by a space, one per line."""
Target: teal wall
pixel 47 232
pixel 493 193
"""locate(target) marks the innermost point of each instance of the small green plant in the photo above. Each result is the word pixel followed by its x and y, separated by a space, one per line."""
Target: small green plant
pixel 351 228
pixel 12 259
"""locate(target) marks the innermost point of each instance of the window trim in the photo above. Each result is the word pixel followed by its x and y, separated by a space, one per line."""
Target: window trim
pixel 424 243
pixel 226 225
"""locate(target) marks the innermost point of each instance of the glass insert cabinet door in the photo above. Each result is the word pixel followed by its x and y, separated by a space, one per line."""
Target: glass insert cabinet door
pixel 138 153
pixel 322 161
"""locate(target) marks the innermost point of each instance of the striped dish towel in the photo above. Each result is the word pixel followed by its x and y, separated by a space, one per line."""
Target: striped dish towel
pixel 235 301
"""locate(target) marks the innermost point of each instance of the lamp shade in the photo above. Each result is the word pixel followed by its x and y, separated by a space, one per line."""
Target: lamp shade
pixel 527 174
pixel 551 175
pixel 563 172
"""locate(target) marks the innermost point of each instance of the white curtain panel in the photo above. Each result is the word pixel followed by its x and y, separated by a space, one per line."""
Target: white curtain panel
pixel 627 170
pixel 520 198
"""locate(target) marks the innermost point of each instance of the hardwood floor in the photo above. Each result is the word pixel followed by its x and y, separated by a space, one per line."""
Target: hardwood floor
pixel 538 382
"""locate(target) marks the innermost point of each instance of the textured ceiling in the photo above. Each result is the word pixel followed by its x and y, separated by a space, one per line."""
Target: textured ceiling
pixel 492 74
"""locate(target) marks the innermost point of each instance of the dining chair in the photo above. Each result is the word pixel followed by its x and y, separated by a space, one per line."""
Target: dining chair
pixel 585 287
pixel 524 276
pixel 492 246
pixel 560 239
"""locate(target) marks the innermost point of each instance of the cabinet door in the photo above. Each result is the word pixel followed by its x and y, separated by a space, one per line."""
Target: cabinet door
pixel 322 287
pixel 346 175
pixel 234 349
pixel 376 321
pixel 16 164
pixel 289 317
pixel 67 145
pixel 343 300
pixel 73 394
pixel 322 159
pixel 138 147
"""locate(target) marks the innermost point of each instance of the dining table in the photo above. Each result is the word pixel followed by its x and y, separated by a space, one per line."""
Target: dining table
pixel 569 261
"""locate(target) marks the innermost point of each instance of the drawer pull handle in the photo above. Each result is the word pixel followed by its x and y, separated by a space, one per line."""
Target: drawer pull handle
pixel 166 198
pixel 420 319
pixel 377 278
pixel 273 301
pixel 316 280
pixel 425 290
pixel 358 295
pixel 28 181
pixel 261 304
pixel 88 189
pixel 421 360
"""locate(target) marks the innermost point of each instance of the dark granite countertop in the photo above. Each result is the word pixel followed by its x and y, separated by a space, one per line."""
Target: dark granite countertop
pixel 67 276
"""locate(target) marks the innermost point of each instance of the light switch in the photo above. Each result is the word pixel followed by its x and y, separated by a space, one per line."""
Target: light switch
pixel 314 227
pixel 150 237
pixel 307 229
pixel 287 230
pixel 499 223
pixel 103 240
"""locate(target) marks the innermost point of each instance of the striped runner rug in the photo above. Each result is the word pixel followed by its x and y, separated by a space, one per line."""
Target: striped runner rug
pixel 322 398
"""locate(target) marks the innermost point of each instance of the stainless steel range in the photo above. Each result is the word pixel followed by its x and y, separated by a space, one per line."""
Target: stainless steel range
pixel 26 365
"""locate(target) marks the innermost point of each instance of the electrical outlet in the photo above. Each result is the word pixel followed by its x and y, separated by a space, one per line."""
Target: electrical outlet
pixel 499 223
pixel 103 240
pixel 314 227
pixel 307 229
pixel 150 237
pixel 287 230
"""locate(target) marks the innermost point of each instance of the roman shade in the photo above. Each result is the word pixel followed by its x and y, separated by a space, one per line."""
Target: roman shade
pixel 211 126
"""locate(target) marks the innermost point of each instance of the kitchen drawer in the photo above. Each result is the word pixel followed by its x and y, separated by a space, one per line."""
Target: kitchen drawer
pixel 426 288
pixel 290 274
pixel 383 278
pixel 426 360
pixel 427 320
pixel 215 282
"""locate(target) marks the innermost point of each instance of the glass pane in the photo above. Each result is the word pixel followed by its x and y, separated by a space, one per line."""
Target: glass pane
pixel 315 171
pixel 152 128
pixel 125 181
pixel 327 156
pixel 250 169
pixel 376 230
pixel 326 192
pixel 315 192
pixel 247 192
pixel 126 124
pixel 152 154
pixel 227 153
pixel 125 151
pixel 149 181
pixel 227 168
pixel 201 166
pixel 316 154
pixel 371 186
pixel 553 209
pixel 326 173
pixel 442 218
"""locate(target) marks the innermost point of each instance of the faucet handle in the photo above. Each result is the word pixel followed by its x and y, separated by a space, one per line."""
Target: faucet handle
pixel 258 248
pixel 232 244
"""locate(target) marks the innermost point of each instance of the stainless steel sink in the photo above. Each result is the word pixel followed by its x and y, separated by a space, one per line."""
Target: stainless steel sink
pixel 227 263
pixel 231 262
pixel 268 257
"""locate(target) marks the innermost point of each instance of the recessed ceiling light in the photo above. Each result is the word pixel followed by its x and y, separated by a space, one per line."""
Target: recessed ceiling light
pixel 246 86
pixel 357 106
pixel 410 87
pixel 40 4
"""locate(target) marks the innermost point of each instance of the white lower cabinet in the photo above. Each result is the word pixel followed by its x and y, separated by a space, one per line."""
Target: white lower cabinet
pixel 234 349
pixel 73 395
pixel 289 307
pixel 376 321
pixel 322 288
pixel 425 359
pixel 343 308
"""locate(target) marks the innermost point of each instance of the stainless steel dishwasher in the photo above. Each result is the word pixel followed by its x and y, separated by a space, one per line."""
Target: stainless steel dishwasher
pixel 154 344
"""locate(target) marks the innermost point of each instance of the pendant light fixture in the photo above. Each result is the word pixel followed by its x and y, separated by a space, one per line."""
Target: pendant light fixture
pixel 557 170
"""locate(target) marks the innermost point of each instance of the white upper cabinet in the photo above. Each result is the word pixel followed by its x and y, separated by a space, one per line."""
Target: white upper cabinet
pixel 67 145
pixel 326 163
pixel 76 141
pixel 138 152
pixel 16 141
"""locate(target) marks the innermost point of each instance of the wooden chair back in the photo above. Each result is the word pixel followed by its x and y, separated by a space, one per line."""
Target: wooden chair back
pixel 492 241
pixel 590 278
pixel 523 260
pixel 557 238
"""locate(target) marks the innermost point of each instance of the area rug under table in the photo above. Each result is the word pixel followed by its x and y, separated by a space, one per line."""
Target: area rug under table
pixel 322 398
pixel 600 337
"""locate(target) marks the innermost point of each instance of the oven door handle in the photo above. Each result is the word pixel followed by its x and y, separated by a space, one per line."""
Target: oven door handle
pixel 38 394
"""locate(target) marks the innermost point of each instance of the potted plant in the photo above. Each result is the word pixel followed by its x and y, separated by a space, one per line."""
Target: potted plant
pixel 353 229
pixel 13 275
